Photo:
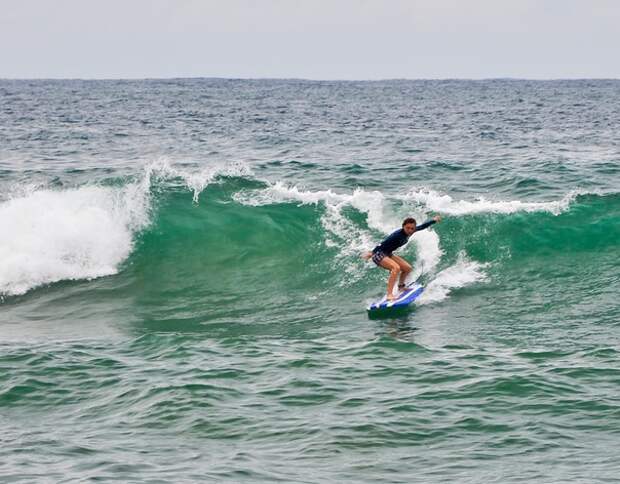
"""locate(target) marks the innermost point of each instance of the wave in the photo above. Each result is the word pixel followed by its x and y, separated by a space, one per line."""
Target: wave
pixel 434 201
pixel 54 234
pixel 356 222
pixel 49 235
pixel 80 233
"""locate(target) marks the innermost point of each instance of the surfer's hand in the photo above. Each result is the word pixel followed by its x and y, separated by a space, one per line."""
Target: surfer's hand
pixel 437 218
pixel 366 255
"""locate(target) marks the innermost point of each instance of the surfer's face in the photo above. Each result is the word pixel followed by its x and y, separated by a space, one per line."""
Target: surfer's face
pixel 409 228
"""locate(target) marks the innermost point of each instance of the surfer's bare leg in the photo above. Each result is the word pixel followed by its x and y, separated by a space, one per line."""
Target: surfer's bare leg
pixel 405 269
pixel 394 268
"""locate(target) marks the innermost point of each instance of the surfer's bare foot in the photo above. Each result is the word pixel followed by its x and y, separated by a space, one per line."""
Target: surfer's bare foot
pixel 390 297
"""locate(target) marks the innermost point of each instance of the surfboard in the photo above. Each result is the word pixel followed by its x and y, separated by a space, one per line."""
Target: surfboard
pixel 405 298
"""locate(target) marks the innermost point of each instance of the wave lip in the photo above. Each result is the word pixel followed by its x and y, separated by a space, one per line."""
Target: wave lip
pixel 196 180
pixel 433 201
pixel 48 236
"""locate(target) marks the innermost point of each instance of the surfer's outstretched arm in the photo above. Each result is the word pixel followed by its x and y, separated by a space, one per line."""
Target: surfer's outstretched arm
pixel 428 223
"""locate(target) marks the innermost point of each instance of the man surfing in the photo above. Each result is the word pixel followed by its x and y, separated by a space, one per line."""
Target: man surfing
pixel 382 254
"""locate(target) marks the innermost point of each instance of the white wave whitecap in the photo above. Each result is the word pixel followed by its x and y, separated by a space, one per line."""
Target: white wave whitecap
pixel 196 179
pixel 82 233
pixel 445 204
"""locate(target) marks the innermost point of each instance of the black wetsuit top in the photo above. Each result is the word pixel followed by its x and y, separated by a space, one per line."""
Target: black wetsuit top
pixel 398 239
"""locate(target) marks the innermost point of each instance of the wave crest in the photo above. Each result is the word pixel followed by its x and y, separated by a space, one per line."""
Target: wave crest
pixel 434 201
pixel 79 233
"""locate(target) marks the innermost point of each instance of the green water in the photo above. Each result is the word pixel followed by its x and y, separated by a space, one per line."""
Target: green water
pixel 183 298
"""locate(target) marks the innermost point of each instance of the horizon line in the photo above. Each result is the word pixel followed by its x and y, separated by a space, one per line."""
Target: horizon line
pixel 240 78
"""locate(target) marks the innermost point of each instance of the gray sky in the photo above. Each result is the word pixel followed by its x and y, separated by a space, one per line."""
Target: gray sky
pixel 312 39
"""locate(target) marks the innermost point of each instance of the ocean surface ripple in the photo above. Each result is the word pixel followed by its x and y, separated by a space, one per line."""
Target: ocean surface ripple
pixel 182 297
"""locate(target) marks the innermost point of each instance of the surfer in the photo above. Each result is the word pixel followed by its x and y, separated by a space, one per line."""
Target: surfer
pixel 382 254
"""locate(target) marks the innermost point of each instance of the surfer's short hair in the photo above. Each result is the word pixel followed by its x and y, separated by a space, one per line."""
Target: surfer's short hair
pixel 409 220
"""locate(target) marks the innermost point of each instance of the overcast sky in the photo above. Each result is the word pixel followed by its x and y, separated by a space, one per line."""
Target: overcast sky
pixel 311 39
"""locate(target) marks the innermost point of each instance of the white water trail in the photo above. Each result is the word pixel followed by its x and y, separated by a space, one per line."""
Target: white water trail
pixel 463 273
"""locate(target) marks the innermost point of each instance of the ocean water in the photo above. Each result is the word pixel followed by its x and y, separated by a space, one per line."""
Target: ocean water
pixel 182 297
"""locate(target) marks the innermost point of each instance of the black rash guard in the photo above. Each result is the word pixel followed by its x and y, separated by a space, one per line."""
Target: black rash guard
pixel 398 239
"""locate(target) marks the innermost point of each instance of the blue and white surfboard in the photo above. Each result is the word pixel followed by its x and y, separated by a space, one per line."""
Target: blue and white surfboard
pixel 404 299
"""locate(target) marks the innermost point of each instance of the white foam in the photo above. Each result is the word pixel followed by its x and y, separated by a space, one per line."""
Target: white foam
pixel 435 202
pixel 428 253
pixel 279 192
pixel 83 233
pixel 463 273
